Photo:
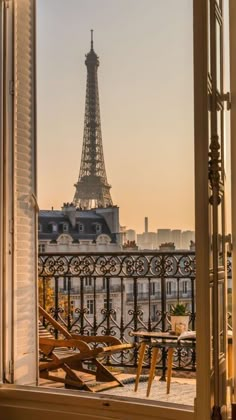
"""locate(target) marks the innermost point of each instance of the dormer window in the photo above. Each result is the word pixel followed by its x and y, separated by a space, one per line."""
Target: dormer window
pixel 40 227
pixel 53 227
pixel 98 228
pixel 80 227
pixel 65 227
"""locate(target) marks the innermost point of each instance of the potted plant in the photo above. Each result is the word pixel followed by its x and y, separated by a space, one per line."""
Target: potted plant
pixel 179 317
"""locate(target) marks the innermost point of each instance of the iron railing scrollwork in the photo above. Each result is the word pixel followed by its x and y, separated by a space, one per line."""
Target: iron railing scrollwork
pixel 118 293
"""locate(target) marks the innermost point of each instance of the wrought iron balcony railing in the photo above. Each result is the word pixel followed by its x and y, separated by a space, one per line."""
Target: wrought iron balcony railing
pixel 75 286
pixel 117 293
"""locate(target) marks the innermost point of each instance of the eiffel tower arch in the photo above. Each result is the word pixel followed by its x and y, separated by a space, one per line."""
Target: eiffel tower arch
pixel 92 188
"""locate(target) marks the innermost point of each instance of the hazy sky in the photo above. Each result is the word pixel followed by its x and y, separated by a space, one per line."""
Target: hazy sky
pixel 146 100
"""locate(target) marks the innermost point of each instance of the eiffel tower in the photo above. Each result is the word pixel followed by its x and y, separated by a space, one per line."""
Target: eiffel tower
pixel 92 188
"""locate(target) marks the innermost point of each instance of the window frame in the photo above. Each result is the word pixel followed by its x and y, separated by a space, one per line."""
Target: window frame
pixel 174 412
pixel 89 306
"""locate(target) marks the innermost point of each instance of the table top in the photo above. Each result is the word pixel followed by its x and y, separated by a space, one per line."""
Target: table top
pixel 164 335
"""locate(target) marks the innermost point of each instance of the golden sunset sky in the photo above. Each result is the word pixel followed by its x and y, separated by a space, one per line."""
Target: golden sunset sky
pixel 146 102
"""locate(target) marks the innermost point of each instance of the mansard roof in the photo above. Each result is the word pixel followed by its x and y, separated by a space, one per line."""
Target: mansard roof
pixel 88 218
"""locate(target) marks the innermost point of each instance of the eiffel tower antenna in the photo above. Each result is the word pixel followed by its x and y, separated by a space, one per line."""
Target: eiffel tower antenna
pixel 92 188
pixel 91 39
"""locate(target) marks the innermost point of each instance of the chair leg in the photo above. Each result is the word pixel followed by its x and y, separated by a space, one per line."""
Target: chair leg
pixel 140 363
pixel 169 368
pixel 105 375
pixel 155 353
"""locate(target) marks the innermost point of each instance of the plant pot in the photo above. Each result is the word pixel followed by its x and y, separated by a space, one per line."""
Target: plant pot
pixel 179 323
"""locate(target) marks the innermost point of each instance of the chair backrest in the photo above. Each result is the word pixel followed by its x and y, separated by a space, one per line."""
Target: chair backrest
pixel 54 323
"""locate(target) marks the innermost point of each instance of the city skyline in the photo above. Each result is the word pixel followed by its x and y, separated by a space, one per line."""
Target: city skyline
pixel 146 98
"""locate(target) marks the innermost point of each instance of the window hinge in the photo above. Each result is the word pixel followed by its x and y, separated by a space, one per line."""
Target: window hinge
pixel 11 230
pixel 6 4
pixel 228 240
pixel 11 368
pixel 11 87
pixel 226 97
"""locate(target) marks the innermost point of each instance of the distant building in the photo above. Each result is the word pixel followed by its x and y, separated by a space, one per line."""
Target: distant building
pixel 74 230
pixel 163 236
pixel 146 224
pixel 147 240
pixel 71 230
pixel 131 235
pixel 176 237
pixel 187 237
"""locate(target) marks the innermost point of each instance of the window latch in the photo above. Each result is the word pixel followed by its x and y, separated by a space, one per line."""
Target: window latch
pixel 226 97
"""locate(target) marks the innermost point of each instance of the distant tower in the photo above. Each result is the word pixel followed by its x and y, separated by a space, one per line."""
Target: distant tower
pixel 92 188
pixel 146 224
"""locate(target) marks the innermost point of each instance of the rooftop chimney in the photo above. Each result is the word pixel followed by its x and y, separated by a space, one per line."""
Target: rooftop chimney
pixel 146 224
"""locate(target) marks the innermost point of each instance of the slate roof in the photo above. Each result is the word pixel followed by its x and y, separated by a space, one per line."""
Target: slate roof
pixel 87 217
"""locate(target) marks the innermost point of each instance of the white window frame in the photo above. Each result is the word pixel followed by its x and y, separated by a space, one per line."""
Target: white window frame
pixel 65 227
pixel 105 303
pixel 41 248
pixel 88 282
pixel 81 227
pixel 185 287
pixel 169 287
pixel 54 227
pixel 57 400
pixel 153 288
pixel 98 227
pixel 90 306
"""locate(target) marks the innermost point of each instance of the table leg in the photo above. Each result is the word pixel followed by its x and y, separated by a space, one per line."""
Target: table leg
pixel 169 368
pixel 155 353
pixel 140 363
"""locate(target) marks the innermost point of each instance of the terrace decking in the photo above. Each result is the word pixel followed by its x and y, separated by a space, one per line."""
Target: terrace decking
pixel 118 293
pixel 183 390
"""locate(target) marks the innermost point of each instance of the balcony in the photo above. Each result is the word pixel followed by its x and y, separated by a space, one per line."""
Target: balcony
pixel 87 304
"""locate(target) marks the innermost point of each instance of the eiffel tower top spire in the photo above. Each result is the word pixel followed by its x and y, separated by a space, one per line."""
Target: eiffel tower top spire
pixel 91 39
pixel 92 188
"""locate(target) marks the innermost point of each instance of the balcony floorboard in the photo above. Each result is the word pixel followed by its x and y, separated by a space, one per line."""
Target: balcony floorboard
pixel 182 391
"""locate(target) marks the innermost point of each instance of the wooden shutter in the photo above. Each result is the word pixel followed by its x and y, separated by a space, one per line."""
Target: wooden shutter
pixel 18 216
pixel 6 192
pixel 25 217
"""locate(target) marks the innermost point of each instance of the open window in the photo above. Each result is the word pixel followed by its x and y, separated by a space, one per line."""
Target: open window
pixel 18 218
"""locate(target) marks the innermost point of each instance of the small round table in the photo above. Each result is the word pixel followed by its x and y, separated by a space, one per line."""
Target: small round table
pixel 160 340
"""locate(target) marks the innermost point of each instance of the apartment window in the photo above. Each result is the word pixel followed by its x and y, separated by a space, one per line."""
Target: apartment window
pixel 65 227
pixel 52 227
pixel 140 287
pixel 41 248
pixel 90 306
pixel 110 307
pixel 106 304
pixel 153 288
pixel 169 288
pixel 154 312
pixel 88 282
pixel 185 287
pixel 98 228
pixel 80 227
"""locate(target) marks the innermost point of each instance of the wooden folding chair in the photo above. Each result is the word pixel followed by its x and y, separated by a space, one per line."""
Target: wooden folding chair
pixel 72 354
